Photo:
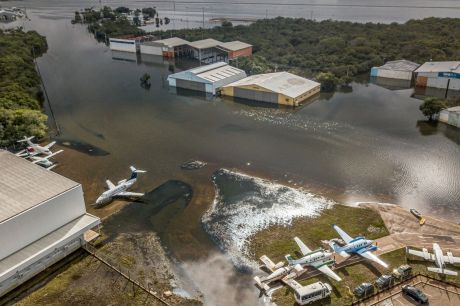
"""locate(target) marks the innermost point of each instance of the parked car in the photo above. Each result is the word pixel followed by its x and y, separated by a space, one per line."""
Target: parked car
pixel 384 281
pixel 403 272
pixel 415 294
pixel 363 290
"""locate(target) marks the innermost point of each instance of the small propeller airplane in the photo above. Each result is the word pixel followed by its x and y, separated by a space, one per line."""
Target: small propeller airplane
pixel 319 259
pixel 33 148
pixel 358 245
pixel 44 161
pixel 120 189
pixel 279 272
pixel 439 259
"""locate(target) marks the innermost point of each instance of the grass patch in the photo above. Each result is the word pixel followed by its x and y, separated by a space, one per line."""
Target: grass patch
pixel 277 240
pixel 127 261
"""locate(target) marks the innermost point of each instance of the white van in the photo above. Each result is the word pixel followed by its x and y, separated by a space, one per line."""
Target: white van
pixel 308 294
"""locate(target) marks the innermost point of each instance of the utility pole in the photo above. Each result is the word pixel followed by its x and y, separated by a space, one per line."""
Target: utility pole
pixel 266 13
pixel 202 32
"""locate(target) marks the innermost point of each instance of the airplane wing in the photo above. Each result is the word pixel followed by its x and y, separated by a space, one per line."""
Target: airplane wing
pixel 53 154
pixel 371 256
pixel 303 248
pixel 129 194
pixel 326 270
pixel 268 262
pixel 50 144
pixel 342 234
pixel 451 259
pixel 110 185
pixel 21 153
pixel 425 255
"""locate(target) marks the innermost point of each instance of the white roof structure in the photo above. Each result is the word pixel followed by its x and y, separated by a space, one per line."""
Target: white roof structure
pixel 204 43
pixel 234 45
pixel 173 42
pixel 24 185
pixel 400 65
pixel 455 109
pixel 213 73
pixel 453 66
pixel 285 83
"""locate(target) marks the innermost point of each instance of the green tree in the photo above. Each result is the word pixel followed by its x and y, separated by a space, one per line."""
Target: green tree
pixel 431 107
pixel 328 80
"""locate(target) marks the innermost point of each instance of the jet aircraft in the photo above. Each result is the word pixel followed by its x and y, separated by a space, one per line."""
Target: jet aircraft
pixel 439 259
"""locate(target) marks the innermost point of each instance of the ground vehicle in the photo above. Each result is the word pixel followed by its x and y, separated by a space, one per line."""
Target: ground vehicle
pixel 403 272
pixel 308 294
pixel 363 290
pixel 384 281
pixel 415 294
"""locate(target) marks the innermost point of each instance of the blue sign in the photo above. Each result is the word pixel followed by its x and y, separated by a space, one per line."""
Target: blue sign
pixel 452 75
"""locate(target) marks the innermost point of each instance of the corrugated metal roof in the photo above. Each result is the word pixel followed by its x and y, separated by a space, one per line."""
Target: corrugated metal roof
pixel 23 257
pixel 210 73
pixel 24 185
pixel 173 42
pixel 234 45
pixel 285 83
pixel 440 67
pixel 400 65
pixel 204 43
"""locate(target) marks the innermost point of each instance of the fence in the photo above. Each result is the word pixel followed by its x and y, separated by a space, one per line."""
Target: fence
pixel 124 272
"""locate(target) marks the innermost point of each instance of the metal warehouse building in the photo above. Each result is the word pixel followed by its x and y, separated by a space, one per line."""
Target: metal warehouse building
pixel 170 47
pixel 444 75
pixel 42 219
pixel 278 87
pixel 206 78
pixel 400 69
pixel 450 116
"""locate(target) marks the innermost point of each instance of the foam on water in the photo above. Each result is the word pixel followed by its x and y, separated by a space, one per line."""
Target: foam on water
pixel 245 205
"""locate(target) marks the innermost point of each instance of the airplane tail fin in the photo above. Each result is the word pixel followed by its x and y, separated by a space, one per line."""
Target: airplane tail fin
pixel 261 285
pixel 26 139
pixel 289 259
pixel 134 172
pixel 334 246
pixel 443 271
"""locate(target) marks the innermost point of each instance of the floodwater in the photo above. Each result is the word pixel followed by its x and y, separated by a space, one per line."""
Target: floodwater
pixel 366 143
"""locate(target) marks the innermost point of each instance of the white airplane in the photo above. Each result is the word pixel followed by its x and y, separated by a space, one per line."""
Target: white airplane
pixel 44 161
pixel 120 189
pixel 358 245
pixel 439 259
pixel 33 148
pixel 319 259
pixel 279 272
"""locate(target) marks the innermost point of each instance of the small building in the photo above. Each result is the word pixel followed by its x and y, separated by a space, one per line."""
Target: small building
pixel 42 219
pixel 236 49
pixel 450 116
pixel 278 87
pixel 206 78
pixel 445 75
pixel 128 43
pixel 400 69
pixel 207 50
pixel 7 16
pixel 170 47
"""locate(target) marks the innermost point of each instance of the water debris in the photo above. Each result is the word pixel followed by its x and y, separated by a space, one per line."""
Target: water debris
pixel 245 205
pixel 193 165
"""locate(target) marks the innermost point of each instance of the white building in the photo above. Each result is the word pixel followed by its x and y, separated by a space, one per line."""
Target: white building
pixel 450 116
pixel 42 219
pixel 444 75
pixel 124 44
pixel 206 78
pixel 400 69
pixel 170 47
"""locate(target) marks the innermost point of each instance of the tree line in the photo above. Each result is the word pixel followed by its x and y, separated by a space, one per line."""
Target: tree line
pixel 21 98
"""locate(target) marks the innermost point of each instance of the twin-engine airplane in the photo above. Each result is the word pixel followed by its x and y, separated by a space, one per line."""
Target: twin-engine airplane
pixel 319 259
pixel 33 148
pixel 120 189
pixel 44 161
pixel 278 272
pixel 358 245
pixel 439 259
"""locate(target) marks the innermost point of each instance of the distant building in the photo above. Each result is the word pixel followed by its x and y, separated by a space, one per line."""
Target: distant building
pixel 7 16
pixel 278 87
pixel 206 78
pixel 445 75
pixel 42 219
pixel 450 116
pixel 400 69
pixel 128 43
pixel 170 47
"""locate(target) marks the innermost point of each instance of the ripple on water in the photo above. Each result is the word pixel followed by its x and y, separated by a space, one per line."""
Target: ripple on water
pixel 245 205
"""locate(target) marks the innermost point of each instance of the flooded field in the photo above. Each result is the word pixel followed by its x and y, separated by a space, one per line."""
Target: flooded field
pixel 364 144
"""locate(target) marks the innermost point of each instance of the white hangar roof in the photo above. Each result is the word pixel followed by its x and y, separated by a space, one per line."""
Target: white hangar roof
pixel 210 73
pixel 440 67
pixel 24 185
pixel 285 83
pixel 400 65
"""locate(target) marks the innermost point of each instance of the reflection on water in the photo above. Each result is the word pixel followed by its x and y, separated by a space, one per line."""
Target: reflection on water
pixel 392 84
pixel 429 128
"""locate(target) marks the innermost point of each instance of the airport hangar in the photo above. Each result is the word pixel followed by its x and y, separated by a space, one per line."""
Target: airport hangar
pixel 445 75
pixel 206 78
pixel 278 87
pixel 42 219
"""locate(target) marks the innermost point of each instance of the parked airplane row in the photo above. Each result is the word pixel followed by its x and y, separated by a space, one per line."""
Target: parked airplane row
pixel 38 154
pixel 319 259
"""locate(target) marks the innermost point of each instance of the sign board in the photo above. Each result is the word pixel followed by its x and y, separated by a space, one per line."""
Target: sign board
pixel 452 75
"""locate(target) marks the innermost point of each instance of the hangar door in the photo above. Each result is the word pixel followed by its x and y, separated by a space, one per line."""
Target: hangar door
pixel 255 95
pixel 190 85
